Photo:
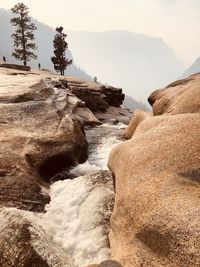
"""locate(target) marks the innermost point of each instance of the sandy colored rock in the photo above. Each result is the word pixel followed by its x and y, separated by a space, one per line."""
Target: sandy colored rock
pixel 107 263
pixel 155 222
pixel 96 96
pixel 110 263
pixel 137 118
pixel 181 96
pixel 86 114
pixel 40 139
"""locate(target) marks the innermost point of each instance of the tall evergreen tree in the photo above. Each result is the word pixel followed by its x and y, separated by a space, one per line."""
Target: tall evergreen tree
pixel 23 36
pixel 60 46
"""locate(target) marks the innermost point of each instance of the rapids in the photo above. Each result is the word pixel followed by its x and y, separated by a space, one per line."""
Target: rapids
pixel 76 214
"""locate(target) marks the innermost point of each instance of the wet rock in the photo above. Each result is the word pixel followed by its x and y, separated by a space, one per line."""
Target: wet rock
pixel 114 114
pixel 42 137
pixel 24 242
pixel 22 192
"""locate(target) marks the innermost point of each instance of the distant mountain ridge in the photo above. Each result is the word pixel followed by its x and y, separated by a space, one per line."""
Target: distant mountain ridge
pixel 194 68
pixel 44 39
pixel 136 62
pixel 132 104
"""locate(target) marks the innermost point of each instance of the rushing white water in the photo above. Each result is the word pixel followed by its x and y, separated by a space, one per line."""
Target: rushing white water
pixel 80 209
pixel 101 139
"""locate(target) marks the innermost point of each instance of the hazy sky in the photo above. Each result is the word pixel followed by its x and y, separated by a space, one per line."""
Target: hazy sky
pixel 177 22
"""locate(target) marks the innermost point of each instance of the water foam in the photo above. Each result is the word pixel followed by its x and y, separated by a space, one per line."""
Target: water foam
pixel 99 156
pixel 79 209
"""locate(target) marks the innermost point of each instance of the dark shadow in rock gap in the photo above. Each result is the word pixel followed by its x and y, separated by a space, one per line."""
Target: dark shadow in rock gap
pixel 59 163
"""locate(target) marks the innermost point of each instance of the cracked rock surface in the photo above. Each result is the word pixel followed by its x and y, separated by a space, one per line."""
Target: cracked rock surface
pixel 40 137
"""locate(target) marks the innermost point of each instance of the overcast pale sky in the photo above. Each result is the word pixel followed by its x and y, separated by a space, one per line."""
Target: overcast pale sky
pixel 177 22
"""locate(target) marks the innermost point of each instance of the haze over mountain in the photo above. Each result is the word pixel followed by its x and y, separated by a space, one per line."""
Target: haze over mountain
pixel 194 68
pixel 44 39
pixel 136 62
pixel 132 104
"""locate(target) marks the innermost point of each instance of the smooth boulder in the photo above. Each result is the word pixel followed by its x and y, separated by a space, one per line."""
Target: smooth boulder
pixel 137 117
pixel 155 222
pixel 182 96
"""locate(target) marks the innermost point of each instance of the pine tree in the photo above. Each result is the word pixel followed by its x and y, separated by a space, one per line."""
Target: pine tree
pixel 60 46
pixel 23 36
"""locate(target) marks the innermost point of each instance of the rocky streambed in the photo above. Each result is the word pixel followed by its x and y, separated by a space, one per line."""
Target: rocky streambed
pixel 43 140
pixel 59 204
pixel 78 216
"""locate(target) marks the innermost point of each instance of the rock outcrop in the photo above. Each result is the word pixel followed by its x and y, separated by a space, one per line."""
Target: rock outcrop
pixel 99 103
pixel 155 222
pixel 42 137
pixel 97 97
pixel 114 115
pixel 93 102
pixel 15 66
pixel 181 96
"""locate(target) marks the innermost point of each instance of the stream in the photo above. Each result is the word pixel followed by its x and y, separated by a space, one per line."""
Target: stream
pixel 75 215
